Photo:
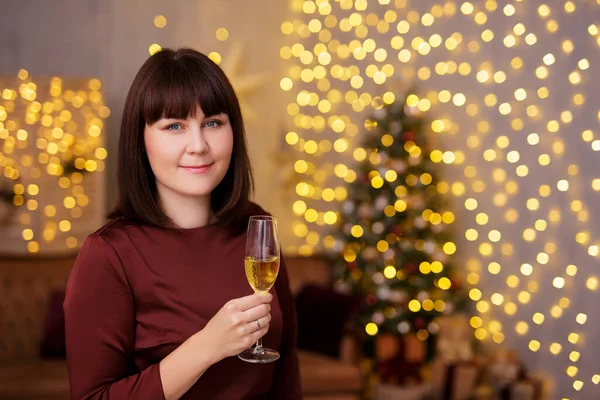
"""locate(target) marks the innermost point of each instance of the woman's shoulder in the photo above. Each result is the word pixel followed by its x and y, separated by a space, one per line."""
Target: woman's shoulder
pixel 98 258
pixel 114 228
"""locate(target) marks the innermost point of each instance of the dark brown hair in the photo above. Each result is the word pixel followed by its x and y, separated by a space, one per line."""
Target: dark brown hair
pixel 171 84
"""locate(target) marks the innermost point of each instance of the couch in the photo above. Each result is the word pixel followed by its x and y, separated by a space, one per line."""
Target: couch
pixel 26 285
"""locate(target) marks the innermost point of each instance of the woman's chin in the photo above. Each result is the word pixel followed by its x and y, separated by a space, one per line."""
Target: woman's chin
pixel 196 193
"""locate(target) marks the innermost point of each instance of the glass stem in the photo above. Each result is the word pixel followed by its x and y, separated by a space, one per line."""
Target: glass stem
pixel 259 347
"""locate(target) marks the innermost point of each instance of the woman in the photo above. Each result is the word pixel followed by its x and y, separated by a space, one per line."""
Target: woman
pixel 157 304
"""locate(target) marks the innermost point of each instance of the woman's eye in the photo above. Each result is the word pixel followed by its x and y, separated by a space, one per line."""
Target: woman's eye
pixel 213 124
pixel 173 127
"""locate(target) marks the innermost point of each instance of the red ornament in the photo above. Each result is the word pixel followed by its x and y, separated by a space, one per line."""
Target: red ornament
pixel 410 268
pixel 419 323
pixel 408 137
pixel 371 300
pixel 397 230
pixel 351 265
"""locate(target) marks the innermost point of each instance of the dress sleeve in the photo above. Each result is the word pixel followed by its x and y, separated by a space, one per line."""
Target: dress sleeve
pixel 100 330
pixel 286 382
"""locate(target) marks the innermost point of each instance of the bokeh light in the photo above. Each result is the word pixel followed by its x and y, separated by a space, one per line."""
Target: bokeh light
pixel 508 88
pixel 52 160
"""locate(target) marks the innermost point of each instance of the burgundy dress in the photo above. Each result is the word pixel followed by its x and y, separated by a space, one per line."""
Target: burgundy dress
pixel 137 292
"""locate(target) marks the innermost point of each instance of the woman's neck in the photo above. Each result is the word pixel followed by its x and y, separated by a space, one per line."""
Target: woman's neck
pixel 186 211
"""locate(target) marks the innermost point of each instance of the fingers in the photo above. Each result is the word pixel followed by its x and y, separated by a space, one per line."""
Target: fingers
pixel 256 312
pixel 249 302
pixel 258 334
pixel 252 326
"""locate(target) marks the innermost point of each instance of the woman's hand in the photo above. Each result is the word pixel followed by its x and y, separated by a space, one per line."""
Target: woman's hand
pixel 234 328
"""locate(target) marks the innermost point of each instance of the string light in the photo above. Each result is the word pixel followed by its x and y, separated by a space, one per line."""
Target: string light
pixel 504 115
pixel 53 143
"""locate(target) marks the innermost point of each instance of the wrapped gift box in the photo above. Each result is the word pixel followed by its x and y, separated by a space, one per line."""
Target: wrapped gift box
pixel 454 380
pixel 393 392
pixel 528 389
pixel 399 359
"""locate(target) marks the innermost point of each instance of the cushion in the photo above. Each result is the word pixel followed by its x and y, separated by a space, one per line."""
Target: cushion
pixel 53 341
pixel 322 374
pixel 47 380
pixel 322 318
pixel 313 270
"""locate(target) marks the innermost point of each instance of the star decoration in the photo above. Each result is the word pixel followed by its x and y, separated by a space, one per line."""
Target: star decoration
pixel 243 84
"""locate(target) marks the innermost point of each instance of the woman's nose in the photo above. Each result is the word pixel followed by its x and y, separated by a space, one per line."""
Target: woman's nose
pixel 197 142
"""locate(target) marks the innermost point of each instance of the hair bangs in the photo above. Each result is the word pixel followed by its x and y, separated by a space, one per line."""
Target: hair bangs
pixel 178 87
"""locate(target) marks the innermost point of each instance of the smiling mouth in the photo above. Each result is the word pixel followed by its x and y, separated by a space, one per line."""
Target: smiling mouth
pixel 197 169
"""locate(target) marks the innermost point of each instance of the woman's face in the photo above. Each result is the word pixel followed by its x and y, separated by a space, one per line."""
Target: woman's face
pixel 189 157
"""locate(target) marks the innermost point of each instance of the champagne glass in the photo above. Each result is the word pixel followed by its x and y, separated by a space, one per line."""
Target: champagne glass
pixel 262 266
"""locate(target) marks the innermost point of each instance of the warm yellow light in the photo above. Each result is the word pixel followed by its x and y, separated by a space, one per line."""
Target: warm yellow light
pixel 473 278
pixel 356 231
pixel 436 267
pixel 414 305
pixel 510 308
pixel 444 283
pixel 574 356
pixel 534 345
pixel 573 338
pixel 509 10
pixel 526 269
pixel 389 272
pixel 538 318
pixel 466 8
pixel 222 34
pixel 481 334
pixel 482 306
pixel 27 234
pixel 370 328
pixel 475 294
pixel 286 84
pixel 471 234
pixel 497 299
pixel 494 268
pixel 33 247
pixel 521 327
pixel 154 48
pixel 512 281
pixel 476 322
pixel 64 226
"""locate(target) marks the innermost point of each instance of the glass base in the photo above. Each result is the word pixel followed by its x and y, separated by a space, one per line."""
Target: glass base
pixel 252 356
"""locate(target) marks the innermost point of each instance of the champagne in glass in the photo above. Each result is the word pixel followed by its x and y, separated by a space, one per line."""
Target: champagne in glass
pixel 262 266
pixel 261 273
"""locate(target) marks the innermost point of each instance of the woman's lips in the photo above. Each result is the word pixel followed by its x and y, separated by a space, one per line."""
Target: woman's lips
pixel 198 169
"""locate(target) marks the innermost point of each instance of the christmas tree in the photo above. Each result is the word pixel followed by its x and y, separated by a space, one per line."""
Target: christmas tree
pixel 394 243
